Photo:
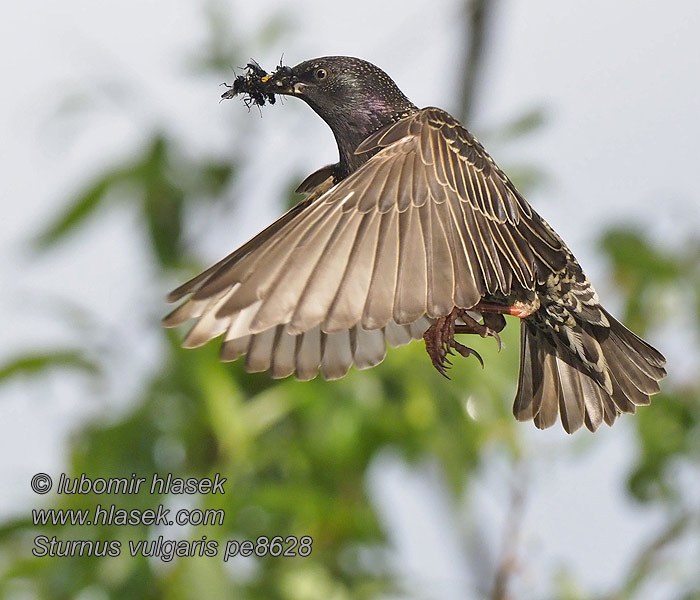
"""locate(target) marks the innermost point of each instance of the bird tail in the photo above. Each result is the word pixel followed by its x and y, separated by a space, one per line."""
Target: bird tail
pixel 587 374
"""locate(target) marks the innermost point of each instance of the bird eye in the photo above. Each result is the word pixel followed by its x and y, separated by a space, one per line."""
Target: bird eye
pixel 321 74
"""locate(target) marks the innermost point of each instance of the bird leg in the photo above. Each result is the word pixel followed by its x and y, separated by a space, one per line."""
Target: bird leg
pixel 440 338
pixel 483 329
pixel 517 309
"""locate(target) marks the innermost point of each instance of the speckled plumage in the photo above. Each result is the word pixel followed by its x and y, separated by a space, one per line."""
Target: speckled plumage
pixel 411 234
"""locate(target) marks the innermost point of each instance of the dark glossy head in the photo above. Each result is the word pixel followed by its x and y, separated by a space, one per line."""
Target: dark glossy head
pixel 353 96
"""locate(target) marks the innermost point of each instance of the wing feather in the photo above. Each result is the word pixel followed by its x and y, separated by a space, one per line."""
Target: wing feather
pixel 283 360
pixel 259 271
pixel 379 307
pixel 439 268
pixel 466 292
pixel 312 307
pixel 350 299
pixel 411 293
pixel 281 285
pixel 370 348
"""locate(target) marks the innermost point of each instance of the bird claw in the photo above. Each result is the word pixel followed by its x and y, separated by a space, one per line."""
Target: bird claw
pixel 440 339
pixel 466 352
pixel 494 334
pixel 472 326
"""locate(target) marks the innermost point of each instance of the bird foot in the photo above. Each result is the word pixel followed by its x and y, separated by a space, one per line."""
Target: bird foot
pixel 474 327
pixel 440 338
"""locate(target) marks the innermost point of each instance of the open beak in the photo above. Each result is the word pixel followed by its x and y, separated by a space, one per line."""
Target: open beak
pixel 283 81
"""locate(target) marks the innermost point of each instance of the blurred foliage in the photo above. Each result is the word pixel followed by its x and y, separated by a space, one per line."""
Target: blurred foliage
pixel 658 286
pixel 295 455
pixel 37 363
pixel 653 281
pixel 160 181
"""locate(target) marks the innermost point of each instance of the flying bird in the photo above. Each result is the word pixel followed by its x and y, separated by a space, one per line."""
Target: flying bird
pixel 414 233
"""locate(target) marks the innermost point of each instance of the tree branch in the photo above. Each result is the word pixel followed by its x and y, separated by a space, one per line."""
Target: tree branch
pixel 508 564
pixel 477 20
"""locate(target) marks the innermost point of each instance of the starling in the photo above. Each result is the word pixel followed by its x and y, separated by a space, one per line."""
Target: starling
pixel 414 233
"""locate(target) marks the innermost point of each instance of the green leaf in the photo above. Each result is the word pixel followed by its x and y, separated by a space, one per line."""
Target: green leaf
pixel 215 176
pixel 274 29
pixel 632 254
pixel 668 430
pixel 524 124
pixel 163 211
pixel 79 211
pixel 36 363
pixel 526 177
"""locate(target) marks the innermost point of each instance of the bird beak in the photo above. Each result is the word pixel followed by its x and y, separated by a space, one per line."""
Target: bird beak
pixel 283 81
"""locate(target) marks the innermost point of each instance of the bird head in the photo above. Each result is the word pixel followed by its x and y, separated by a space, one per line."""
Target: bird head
pixel 354 97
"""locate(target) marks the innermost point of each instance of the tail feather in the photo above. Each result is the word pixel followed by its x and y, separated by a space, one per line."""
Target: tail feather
pixel 547 394
pixel 644 355
pixel 608 371
pixel 579 402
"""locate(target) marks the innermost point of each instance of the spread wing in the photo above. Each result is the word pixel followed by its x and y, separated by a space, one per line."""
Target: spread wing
pixel 428 223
